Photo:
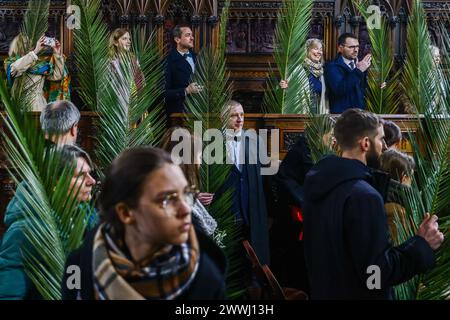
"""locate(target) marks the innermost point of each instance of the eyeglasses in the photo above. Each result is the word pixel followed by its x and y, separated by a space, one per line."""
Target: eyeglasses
pixel 352 47
pixel 171 202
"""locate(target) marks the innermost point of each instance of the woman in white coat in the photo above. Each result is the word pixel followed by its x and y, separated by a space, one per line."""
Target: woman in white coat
pixel 35 69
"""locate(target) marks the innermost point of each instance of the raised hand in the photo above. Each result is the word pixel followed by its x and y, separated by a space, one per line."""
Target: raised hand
pixel 193 88
pixel 364 64
pixel 39 45
pixel 205 198
pixel 284 84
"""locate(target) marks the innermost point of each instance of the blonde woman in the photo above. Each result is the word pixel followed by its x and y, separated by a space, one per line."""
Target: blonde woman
pixel 313 64
pixel 119 45
pixel 438 103
pixel 45 76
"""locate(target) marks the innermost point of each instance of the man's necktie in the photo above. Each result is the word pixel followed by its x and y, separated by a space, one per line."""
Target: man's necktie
pixel 190 61
pixel 352 65
pixel 235 146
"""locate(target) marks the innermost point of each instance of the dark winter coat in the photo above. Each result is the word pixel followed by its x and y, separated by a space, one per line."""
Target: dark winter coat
pixel 345 232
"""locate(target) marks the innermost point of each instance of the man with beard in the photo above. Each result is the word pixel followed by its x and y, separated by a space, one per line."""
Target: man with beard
pixel 346 77
pixel 347 249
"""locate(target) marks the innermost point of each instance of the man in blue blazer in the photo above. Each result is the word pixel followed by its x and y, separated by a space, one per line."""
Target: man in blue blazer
pixel 180 65
pixel 346 77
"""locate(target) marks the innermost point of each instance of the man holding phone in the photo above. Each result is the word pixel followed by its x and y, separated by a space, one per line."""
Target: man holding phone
pixel 346 77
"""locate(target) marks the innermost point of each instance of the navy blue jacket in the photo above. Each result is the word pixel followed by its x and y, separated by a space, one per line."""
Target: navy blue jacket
pixel 345 87
pixel 178 74
pixel 345 232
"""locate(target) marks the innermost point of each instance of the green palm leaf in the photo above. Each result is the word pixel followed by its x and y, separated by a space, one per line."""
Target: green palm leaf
pixel 381 101
pixel 35 23
pixel 91 52
pixel 205 110
pixel 431 190
pixel 418 83
pixel 292 29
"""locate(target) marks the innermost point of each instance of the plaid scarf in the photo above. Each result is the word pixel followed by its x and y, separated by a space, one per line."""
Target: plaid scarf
pixel 315 68
pixel 166 274
pixel 53 90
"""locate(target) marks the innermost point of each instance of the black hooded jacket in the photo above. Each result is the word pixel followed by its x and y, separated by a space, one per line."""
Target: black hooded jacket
pixel 345 232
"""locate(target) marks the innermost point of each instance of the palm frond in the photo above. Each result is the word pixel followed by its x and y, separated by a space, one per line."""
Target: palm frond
pixel 418 68
pixel 91 52
pixel 291 32
pixel 381 101
pixel 431 191
pixel 35 23
pixel 205 113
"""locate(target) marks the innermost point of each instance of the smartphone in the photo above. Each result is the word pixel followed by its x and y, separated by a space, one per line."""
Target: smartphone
pixel 49 42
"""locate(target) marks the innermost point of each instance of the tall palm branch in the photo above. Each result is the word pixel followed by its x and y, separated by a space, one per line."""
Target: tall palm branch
pixel 292 29
pixel 430 191
pixel 381 101
pixel 91 52
pixel 54 222
pixel 205 110
pixel 418 76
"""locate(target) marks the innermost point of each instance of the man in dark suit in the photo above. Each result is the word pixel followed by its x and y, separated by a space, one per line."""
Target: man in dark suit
pixel 346 77
pixel 249 204
pixel 180 65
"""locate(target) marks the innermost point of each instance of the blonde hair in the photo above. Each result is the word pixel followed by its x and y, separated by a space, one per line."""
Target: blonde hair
pixel 313 43
pixel 20 46
pixel 114 50
pixel 227 108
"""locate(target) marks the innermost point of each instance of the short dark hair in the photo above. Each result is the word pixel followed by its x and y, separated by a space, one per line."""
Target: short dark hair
pixel 343 37
pixel 176 31
pixel 397 164
pixel 59 117
pixel 353 125
pixel 124 181
pixel 392 133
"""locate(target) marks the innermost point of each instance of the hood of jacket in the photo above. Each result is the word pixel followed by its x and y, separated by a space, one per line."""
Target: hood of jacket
pixel 332 171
